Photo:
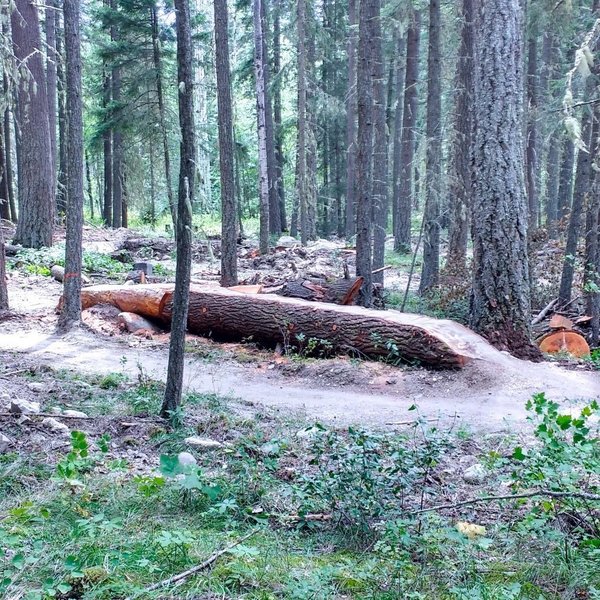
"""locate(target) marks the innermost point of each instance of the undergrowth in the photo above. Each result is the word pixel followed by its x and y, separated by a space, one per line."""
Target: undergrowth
pixel 332 512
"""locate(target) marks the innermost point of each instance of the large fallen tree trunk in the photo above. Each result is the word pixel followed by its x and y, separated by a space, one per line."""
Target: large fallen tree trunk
pixel 227 314
pixel 341 291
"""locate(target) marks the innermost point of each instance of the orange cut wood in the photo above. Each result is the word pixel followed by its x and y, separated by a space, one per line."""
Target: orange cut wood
pixel 247 289
pixel 560 322
pixel 565 341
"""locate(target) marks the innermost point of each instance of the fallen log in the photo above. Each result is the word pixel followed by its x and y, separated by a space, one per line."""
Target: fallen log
pixel 340 291
pixel 231 315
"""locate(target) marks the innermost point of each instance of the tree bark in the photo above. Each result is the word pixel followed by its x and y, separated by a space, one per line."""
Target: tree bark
pixel 52 60
pixel 532 131
pixel 63 162
pixel 36 180
pixel 232 315
pixel 460 167
pixel 430 272
pixel 397 138
pixel 402 234
pixel 185 78
pixel 500 303
pixel 302 144
pixel 277 117
pixel 565 183
pixel 107 204
pixel 228 205
pixel 261 116
pixel 71 309
pixel 351 108
pixel 380 150
pixel 368 13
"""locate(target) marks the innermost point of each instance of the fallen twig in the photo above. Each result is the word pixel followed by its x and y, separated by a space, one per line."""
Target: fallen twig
pixel 544 311
pixel 538 493
pixel 19 371
pixel 55 415
pixel 381 269
pixel 185 574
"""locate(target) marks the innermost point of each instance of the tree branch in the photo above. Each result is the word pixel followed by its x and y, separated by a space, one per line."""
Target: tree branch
pixel 538 493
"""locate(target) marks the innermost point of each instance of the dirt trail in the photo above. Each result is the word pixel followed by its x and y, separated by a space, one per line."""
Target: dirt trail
pixel 488 395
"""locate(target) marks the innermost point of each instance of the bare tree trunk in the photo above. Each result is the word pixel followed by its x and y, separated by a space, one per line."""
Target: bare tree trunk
pixel 277 118
pixel 402 234
pixel 532 131
pixel 302 148
pixel 430 272
pixel 107 204
pixel 4 196
pixel 3 285
pixel 228 205
pixel 88 178
pixel 351 123
pixel 368 13
pixel 397 138
pixel 8 160
pixel 460 168
pixel 71 307
pixel 261 115
pixel 185 75
pixel 380 150
pixel 36 180
pixel 162 114
pixel 500 304
pixel 52 59
pixel 565 183
pixel 63 162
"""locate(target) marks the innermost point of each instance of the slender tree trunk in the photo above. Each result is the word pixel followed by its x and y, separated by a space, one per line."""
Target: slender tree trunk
pixel 500 304
pixel 88 178
pixel 228 207
pixel 460 167
pixel 185 75
pixel 430 272
pixel 368 13
pixel 71 307
pixel 592 258
pixel 4 197
pixel 51 61
pixel 8 160
pixel 63 162
pixel 311 125
pixel 565 182
pixel 583 181
pixel 162 114
pixel 3 285
pixel 402 234
pixel 277 117
pixel 117 154
pixel 36 180
pixel 552 169
pixel 380 149
pixel 302 149
pixel 351 108
pixel 152 186
pixel 107 205
pixel 532 131
pixel 397 138
pixel 261 115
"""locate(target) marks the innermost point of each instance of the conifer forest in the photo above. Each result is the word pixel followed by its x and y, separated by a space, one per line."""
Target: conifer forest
pixel 300 299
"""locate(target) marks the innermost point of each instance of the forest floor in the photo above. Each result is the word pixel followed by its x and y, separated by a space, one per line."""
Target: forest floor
pixel 102 515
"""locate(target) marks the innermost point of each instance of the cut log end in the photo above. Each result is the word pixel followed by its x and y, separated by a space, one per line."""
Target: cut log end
pixel 568 342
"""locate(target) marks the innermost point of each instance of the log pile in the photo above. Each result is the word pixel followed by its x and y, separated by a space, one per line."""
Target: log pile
pixel 560 333
pixel 272 319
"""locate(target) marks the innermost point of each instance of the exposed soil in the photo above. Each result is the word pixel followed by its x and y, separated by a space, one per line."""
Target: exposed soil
pixel 488 395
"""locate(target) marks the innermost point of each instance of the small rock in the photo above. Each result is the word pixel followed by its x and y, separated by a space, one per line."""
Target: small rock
pixel 475 474
pixel 55 410
pixel 37 386
pixel 18 406
pixel 202 443
pixel 75 413
pixel 5 442
pixel 186 459
pixel 54 425
pixel 287 241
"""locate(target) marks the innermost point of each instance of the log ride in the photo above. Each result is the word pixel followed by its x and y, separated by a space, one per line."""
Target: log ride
pixel 565 341
pixel 266 318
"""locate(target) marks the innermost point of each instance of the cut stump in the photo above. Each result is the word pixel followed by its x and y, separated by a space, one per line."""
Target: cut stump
pixel 565 341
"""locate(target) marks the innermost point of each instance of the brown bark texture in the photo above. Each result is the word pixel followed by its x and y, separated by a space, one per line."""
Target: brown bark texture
pixel 227 314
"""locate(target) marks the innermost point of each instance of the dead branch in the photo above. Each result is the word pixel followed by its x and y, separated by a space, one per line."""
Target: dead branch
pixel 544 311
pixel 186 574
pixel 535 494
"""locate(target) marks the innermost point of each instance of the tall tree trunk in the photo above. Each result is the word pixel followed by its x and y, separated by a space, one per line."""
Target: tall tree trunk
pixel 8 160
pixel 583 181
pixel 368 13
pixel 552 169
pixel 3 284
pixel 277 118
pixel 63 162
pixel 397 138
pixel 4 196
pixel 311 125
pixel 532 131
pixel 52 60
pixel 107 204
pixel 302 147
pixel 261 116
pixel 156 57
pixel 565 182
pixel 380 148
pixel 500 304
pixel 226 153
pixel 351 123
pixel 460 167
pixel 433 164
pixel 185 75
pixel 88 178
pixel 36 180
pixel 117 149
pixel 402 234
pixel 71 307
